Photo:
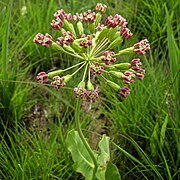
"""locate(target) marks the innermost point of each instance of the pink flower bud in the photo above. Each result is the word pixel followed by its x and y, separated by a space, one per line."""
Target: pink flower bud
pixel 58 82
pixel 86 41
pixel 57 25
pixel 67 39
pixel 89 17
pixel 44 40
pixel 124 92
pixel 78 17
pixel 42 77
pixel 96 69
pixel 101 8
pixel 141 47
pixel 107 57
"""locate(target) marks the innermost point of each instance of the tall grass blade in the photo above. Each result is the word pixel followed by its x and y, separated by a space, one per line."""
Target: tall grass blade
pixel 174 56
pixel 5 42
pixel 163 130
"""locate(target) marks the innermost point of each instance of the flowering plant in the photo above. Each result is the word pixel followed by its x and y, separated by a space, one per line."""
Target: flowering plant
pixel 93 42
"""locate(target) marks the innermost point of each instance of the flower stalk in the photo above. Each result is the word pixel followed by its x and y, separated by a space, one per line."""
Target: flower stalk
pixel 86 144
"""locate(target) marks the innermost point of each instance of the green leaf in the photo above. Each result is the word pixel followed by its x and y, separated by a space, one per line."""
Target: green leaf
pixel 112 172
pixel 154 139
pixel 83 162
pixel 174 56
pixel 163 131
pixel 103 158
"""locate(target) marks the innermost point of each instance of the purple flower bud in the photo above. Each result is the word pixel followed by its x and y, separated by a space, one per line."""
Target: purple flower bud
pixel 100 7
pixel 96 69
pixel 124 92
pixel 90 16
pixel 136 65
pixel 117 20
pixel 90 96
pixel 79 91
pixel 58 82
pixel 44 40
pixel 86 41
pixel 69 17
pixel 141 47
pixel 139 76
pixel 125 32
pixel 127 77
pixel 60 14
pixel 78 17
pixel 57 25
pixel 66 39
pixel 99 27
pixel 42 77
pixel 107 57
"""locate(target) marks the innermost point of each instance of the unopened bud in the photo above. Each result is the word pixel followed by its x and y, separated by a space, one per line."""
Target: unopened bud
pixel 115 86
pixel 69 27
pixel 116 74
pixel 90 86
pixel 112 32
pixel 69 48
pixel 115 43
pixel 91 27
pixel 56 47
pixel 103 33
pixel 82 84
pixel 80 28
pixel 76 46
pixel 67 78
pixel 98 18
pixel 55 73
pixel 126 51
pixel 122 66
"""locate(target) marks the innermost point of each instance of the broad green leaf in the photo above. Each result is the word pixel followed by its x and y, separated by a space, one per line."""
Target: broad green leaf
pixel 163 130
pixel 103 158
pixel 83 162
pixel 112 172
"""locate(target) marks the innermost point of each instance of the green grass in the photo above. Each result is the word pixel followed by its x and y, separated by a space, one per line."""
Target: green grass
pixel 145 128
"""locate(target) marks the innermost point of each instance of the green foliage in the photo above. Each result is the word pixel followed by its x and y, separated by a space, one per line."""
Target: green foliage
pixel 83 162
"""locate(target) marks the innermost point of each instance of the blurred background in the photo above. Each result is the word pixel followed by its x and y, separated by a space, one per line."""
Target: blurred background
pixel 34 118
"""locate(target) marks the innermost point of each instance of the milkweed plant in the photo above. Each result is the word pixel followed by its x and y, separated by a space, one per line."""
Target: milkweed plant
pixel 93 41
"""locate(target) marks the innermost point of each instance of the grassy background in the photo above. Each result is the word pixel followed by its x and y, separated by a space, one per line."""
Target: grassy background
pixel 34 119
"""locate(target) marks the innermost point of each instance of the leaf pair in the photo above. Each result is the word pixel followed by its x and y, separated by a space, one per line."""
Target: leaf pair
pixel 83 162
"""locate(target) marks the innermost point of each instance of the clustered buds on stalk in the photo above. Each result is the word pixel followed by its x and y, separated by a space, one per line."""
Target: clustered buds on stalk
pixel 141 47
pixel 44 40
pixel 96 69
pixel 87 95
pixel 86 41
pixel 93 42
pixel 90 16
pixel 108 57
pixel 42 77
pixel 67 39
pixel 101 8
pixel 58 82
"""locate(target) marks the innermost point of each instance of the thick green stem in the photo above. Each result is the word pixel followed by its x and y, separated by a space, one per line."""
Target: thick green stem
pixel 78 126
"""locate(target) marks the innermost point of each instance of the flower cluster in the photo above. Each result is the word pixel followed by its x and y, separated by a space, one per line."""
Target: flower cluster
pixel 44 40
pixel 86 37
pixel 89 96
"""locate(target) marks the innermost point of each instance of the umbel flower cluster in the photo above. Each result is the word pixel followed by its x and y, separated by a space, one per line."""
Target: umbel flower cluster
pixel 93 42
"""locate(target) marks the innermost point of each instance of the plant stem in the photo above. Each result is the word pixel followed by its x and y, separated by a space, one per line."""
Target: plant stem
pixel 78 126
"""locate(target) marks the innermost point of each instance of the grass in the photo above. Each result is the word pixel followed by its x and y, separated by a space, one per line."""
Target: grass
pixel 144 128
